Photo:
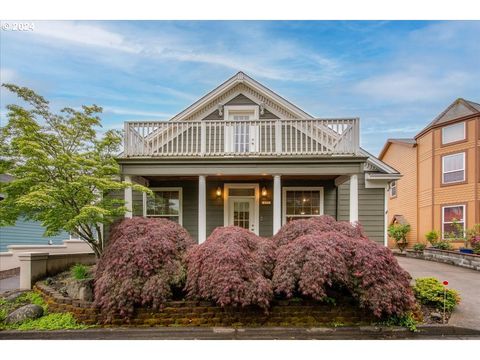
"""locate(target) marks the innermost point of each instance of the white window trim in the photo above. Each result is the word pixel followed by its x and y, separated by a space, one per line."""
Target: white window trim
pixel 446 172
pixel 448 126
pixel 300 188
pixel 393 184
pixel 256 196
pixel 464 220
pixel 180 200
pixel 241 110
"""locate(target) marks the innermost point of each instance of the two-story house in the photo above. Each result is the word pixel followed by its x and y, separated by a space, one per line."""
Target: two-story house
pixel 440 173
pixel 243 155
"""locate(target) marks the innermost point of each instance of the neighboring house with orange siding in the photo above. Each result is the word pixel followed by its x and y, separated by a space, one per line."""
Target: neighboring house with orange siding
pixel 440 170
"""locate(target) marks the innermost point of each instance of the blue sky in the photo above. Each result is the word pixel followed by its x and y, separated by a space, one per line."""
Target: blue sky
pixel 395 76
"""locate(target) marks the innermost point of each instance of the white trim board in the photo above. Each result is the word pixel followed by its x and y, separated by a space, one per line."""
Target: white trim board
pixel 180 200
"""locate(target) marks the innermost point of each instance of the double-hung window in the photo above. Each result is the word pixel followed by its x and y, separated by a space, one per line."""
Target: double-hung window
pixel 393 189
pixel 451 215
pixel 453 133
pixel 453 168
pixel 165 203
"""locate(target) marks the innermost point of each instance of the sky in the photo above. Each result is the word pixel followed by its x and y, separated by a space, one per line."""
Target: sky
pixel 396 76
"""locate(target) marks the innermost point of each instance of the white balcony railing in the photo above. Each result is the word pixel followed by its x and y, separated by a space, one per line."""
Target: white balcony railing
pixel 217 138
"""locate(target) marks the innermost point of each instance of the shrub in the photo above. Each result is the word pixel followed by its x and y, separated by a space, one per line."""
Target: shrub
pixel 142 265
pixel 430 291
pixel 316 225
pixel 432 237
pixel 399 233
pixel 310 264
pixel 474 238
pixel 419 247
pixel 79 271
pixel 232 267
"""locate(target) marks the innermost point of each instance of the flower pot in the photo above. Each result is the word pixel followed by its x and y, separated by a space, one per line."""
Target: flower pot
pixel 466 251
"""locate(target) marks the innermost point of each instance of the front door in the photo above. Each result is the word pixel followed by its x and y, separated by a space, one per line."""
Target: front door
pixel 242 213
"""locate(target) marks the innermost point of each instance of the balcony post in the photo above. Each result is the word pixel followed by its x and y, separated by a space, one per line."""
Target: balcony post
pixel 202 209
pixel 353 198
pixel 278 136
pixel 126 139
pixel 128 198
pixel 203 138
pixel 277 203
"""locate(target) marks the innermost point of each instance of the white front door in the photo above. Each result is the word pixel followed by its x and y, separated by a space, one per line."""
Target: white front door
pixel 242 133
pixel 241 213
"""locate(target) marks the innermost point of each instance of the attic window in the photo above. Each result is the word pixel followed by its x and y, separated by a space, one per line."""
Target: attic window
pixel 453 133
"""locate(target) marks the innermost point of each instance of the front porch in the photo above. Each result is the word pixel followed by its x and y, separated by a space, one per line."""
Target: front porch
pixel 260 197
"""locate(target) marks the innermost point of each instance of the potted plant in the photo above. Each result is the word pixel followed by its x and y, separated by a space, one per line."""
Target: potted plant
pixel 474 238
pixel 399 233
pixel 458 234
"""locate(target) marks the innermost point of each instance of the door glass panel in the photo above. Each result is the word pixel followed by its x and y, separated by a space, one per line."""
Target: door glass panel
pixel 241 214
pixel 241 192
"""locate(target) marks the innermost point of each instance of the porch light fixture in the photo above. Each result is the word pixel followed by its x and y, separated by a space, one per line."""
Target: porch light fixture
pixel 219 192
pixel 264 191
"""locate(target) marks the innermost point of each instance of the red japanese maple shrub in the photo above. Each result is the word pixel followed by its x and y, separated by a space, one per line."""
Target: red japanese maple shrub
pixel 314 226
pixel 232 268
pixel 341 257
pixel 142 265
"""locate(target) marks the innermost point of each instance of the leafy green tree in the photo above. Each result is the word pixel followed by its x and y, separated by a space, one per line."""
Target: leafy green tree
pixel 63 170
pixel 399 233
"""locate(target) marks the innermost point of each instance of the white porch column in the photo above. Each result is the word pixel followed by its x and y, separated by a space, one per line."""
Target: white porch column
pixel 128 198
pixel 353 198
pixel 277 203
pixel 202 209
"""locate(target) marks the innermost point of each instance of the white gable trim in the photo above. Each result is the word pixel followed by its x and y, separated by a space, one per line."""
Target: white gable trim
pixel 268 97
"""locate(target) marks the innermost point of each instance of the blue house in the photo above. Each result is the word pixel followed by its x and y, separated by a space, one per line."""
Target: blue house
pixel 26 232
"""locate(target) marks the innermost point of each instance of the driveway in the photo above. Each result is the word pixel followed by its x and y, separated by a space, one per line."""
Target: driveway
pixel 466 281
pixel 11 283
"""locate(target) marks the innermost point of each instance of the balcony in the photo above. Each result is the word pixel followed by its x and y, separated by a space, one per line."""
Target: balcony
pixel 248 138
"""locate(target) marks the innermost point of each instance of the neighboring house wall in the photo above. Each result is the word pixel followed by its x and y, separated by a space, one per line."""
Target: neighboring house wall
pixel 432 194
pixel 371 207
pixel 403 158
pixel 26 232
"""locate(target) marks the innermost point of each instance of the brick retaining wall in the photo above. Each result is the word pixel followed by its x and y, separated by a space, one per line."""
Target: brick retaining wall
pixel 202 313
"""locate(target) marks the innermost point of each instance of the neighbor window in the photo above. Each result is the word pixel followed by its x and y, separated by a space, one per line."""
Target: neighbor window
pixel 450 216
pixel 453 133
pixel 302 203
pixel 453 168
pixel 393 189
pixel 165 203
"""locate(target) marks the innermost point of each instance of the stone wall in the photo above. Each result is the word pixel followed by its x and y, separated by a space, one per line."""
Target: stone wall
pixel 202 313
pixel 470 261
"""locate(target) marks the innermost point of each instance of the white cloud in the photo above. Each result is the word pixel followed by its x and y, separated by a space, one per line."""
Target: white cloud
pixel 416 85
pixel 84 34
pixel 7 75
pixel 124 111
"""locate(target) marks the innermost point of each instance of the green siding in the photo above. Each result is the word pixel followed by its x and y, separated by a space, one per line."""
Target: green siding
pixel 26 232
pixel 370 208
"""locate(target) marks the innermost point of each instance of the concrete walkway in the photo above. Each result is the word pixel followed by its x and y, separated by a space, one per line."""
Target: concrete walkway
pixel 465 281
pixel 11 283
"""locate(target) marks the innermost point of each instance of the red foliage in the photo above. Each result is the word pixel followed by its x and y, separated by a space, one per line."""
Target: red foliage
pixel 232 267
pixel 340 256
pixel 141 265
pixel 315 226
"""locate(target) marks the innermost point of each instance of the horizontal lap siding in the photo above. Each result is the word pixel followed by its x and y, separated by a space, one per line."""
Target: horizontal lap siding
pixel 27 232
pixel 370 208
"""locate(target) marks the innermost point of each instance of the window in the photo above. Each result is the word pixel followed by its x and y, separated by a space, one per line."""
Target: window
pixel 165 203
pixel 302 203
pixel 241 134
pixel 451 214
pixel 453 133
pixel 393 189
pixel 453 168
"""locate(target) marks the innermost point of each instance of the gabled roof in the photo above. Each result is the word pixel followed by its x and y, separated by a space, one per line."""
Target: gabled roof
pixel 235 80
pixel 401 141
pixel 458 109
